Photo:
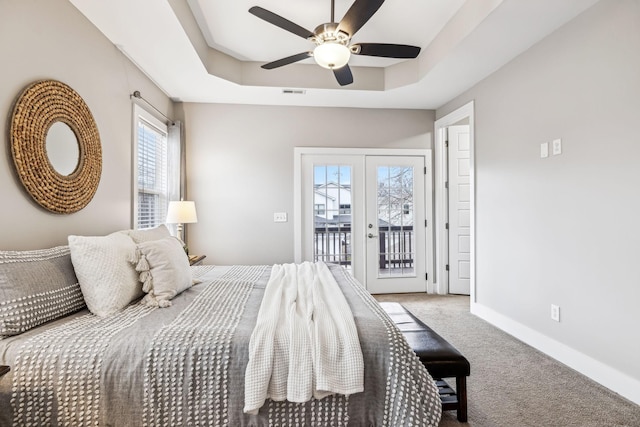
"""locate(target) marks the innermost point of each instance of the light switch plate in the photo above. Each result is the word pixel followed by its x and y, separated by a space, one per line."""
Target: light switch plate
pixel 544 150
pixel 280 217
pixel 557 147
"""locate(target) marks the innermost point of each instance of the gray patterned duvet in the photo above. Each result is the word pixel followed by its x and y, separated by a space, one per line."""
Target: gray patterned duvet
pixel 184 365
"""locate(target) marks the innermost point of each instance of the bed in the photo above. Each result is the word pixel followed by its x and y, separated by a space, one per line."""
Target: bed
pixel 183 364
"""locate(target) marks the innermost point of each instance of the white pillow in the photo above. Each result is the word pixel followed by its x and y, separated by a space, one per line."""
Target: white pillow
pixel 164 270
pixel 103 266
pixel 147 234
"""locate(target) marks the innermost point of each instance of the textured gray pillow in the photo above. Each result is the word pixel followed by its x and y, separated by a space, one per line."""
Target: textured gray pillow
pixel 36 287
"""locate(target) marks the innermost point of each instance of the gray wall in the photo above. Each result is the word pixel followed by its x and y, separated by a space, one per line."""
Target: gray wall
pixel 564 229
pixel 240 168
pixel 53 40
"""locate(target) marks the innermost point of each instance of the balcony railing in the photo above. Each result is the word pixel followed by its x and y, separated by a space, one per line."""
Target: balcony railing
pixel 333 244
pixel 396 246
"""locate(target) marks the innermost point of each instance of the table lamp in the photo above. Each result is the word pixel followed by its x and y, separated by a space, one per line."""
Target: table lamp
pixel 182 212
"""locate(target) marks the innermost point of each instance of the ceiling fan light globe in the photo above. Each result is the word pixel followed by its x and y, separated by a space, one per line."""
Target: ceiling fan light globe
pixel 331 55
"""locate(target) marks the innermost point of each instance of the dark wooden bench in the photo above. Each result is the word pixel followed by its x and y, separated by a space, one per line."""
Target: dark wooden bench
pixel 441 359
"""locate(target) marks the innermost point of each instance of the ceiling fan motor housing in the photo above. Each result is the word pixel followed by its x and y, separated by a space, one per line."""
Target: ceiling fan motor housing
pixel 329 33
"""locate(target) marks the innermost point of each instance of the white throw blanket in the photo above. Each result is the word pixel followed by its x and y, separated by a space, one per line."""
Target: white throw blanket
pixel 305 343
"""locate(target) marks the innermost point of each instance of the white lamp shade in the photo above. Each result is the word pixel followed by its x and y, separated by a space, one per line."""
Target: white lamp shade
pixel 331 55
pixel 183 212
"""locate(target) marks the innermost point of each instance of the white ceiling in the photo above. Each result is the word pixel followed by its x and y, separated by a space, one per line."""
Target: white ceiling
pixel 235 31
pixel 211 50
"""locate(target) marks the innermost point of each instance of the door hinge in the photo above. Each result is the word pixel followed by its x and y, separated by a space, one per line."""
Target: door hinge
pixel 446 226
pixel 446 143
pixel 426 276
pixel 425 223
pixel 446 185
pixel 446 267
pixel 425 170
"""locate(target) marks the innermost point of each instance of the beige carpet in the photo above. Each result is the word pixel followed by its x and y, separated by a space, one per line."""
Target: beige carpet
pixel 512 384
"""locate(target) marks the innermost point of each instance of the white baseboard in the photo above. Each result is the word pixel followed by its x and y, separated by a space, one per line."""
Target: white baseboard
pixel 605 375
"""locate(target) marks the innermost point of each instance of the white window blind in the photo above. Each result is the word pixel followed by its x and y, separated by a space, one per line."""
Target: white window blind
pixel 157 176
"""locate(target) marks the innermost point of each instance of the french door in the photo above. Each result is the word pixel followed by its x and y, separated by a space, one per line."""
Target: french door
pixel 395 226
pixel 368 213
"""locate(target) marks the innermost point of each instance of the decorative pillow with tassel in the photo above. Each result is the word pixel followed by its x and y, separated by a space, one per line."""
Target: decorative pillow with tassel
pixel 164 270
pixel 147 234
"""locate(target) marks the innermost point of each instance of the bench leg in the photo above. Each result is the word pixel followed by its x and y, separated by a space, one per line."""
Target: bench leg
pixel 461 391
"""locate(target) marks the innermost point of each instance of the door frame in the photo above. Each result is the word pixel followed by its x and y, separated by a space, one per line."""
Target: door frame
pixel 360 273
pixel 441 199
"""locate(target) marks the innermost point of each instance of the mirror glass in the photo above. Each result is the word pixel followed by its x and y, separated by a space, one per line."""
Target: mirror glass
pixel 63 150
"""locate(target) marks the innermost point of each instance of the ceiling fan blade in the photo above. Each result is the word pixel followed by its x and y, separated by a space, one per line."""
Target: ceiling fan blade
pixel 343 75
pixel 288 60
pixel 385 50
pixel 281 22
pixel 358 15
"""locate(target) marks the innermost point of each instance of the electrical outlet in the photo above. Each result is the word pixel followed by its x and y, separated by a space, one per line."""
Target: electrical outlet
pixel 557 146
pixel 555 312
pixel 280 217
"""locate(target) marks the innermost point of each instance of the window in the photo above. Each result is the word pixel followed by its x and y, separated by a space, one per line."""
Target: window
pixel 319 209
pixel 345 209
pixel 157 173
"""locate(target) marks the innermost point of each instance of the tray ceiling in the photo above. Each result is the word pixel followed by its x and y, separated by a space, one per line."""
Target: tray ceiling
pixel 211 50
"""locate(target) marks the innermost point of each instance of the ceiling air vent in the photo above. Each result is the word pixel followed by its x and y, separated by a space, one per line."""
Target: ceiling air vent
pixel 293 91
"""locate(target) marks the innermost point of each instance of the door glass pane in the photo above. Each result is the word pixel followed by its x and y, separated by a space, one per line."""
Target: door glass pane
pixel 396 249
pixel 332 211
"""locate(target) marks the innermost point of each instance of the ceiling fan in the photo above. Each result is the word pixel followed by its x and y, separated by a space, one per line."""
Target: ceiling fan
pixel 332 40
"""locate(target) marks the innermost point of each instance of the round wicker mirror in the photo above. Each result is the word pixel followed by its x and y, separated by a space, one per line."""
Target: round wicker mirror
pixel 41 105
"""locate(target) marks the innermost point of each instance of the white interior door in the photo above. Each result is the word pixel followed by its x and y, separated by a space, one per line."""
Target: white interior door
pixel 395 224
pixel 459 165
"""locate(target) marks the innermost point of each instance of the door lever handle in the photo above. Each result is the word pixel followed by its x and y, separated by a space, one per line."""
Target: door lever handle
pixel 371 236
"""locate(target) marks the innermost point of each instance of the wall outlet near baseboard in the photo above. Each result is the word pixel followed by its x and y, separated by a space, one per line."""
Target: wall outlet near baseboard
pixel 555 312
